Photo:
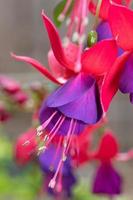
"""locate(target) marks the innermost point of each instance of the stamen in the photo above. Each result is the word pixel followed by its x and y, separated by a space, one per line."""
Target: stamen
pixel 63 159
pixel 61 17
pixel 41 149
pixel 63 14
pixel 75 36
pixel 26 143
pixel 59 123
pixel 59 184
pixel 81 39
pixel 71 136
pixel 53 180
pixel 68 21
pixel 56 153
pixel 85 21
pixel 52 183
pixel 45 124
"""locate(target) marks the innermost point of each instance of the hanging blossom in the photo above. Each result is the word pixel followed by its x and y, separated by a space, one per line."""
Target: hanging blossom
pixel 4 114
pixel 24 151
pixel 111 27
pixel 77 103
pixel 107 180
pixel 13 89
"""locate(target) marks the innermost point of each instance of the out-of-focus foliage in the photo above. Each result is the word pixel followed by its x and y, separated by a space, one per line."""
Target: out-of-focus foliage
pixel 15 182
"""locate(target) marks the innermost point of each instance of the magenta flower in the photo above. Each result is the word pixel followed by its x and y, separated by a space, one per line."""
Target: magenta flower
pixel 76 104
pixel 4 115
pixel 122 76
pixel 13 89
pixel 25 147
pixel 9 85
pixel 107 180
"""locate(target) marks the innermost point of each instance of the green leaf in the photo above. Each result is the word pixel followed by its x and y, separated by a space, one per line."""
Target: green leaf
pixel 58 9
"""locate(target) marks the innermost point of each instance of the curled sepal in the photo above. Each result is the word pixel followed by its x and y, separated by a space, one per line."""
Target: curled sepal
pixel 121 22
pixel 36 65
pixel 56 43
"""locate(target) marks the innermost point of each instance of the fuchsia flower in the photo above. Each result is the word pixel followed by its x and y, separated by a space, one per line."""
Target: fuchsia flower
pixel 107 180
pixel 24 150
pixel 4 115
pixel 119 77
pixel 77 103
pixel 13 89
pixel 9 85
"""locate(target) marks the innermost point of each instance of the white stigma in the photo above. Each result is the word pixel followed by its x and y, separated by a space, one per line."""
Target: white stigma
pixel 52 183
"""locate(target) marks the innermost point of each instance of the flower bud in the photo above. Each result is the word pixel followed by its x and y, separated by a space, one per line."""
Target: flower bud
pixel 92 38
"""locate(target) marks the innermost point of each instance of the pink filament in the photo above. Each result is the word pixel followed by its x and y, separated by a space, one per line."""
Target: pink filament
pixel 58 127
pixel 68 3
pixel 70 131
pixel 48 121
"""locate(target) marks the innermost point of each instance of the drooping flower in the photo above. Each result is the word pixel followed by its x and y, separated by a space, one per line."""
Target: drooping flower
pixel 25 147
pixel 76 104
pixel 9 85
pixel 13 89
pixel 107 180
pixel 124 73
pixel 4 114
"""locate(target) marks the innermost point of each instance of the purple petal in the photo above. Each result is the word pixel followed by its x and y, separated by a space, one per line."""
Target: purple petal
pixel 87 108
pixel 70 91
pixel 107 180
pixel 46 112
pixel 47 159
pixel 126 80
pixel 78 99
pixel 104 31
